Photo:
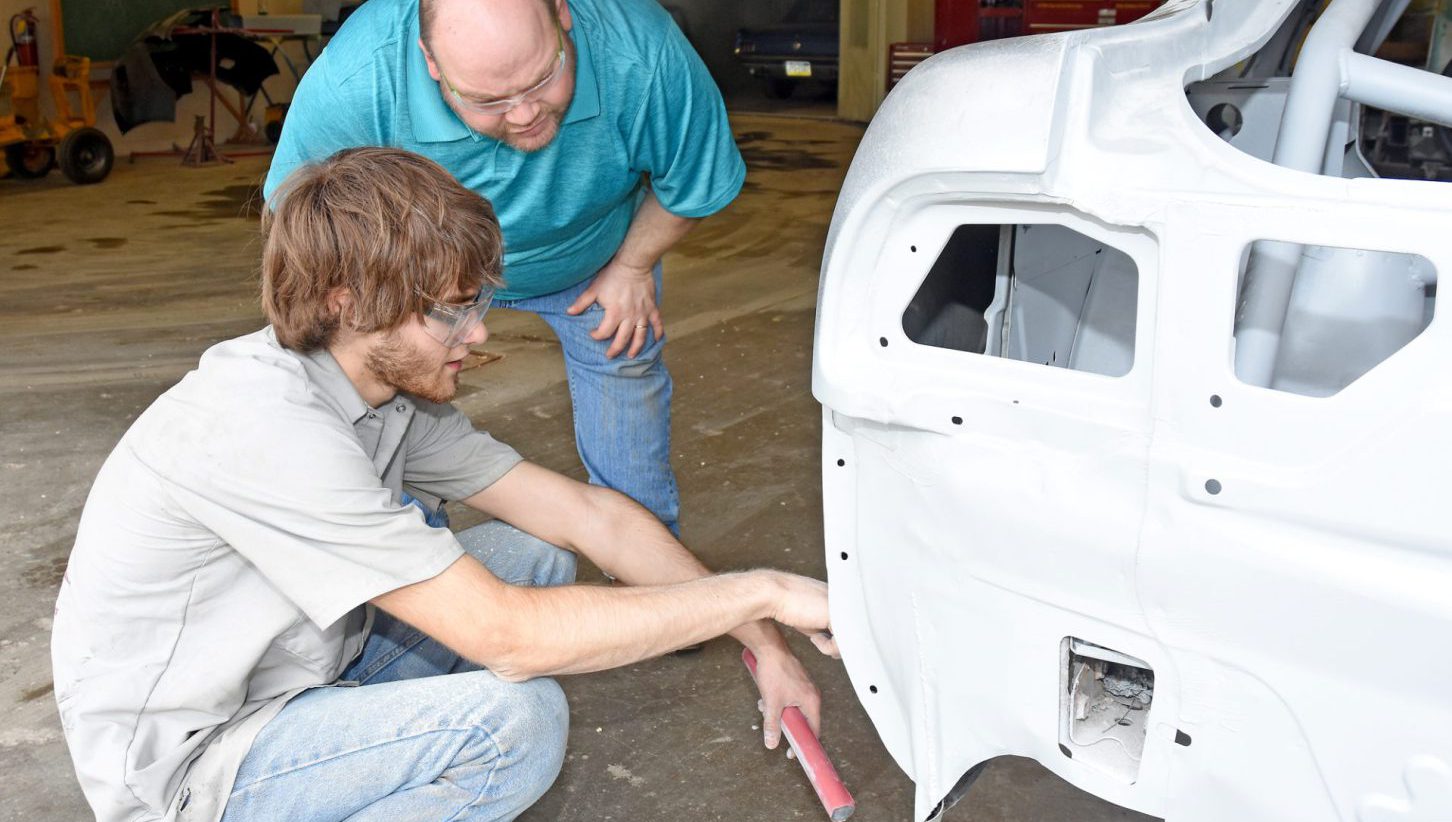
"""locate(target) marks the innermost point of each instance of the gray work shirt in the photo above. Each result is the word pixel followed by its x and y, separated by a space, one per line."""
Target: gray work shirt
pixel 224 559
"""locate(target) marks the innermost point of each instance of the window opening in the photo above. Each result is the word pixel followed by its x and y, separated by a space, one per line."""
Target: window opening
pixel 1037 293
pixel 1347 311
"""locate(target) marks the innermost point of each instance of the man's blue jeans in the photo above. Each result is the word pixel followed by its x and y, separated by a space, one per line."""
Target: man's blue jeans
pixel 622 406
pixel 425 735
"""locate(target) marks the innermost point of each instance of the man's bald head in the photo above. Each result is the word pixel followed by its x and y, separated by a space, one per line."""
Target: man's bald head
pixel 505 67
pixel 428 13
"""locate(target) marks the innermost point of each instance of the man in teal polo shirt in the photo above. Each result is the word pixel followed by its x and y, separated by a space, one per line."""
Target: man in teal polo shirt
pixel 600 138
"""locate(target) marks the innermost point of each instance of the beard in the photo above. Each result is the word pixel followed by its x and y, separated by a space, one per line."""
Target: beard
pixel 412 371
pixel 549 130
pixel 548 121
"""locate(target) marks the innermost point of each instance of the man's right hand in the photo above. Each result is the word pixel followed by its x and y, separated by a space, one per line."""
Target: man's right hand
pixel 802 604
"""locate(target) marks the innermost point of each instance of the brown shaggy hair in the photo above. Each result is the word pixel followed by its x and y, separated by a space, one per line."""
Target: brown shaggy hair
pixel 393 228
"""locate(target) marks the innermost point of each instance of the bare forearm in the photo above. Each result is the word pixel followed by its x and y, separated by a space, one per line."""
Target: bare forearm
pixel 653 231
pixel 627 542
pixel 624 540
pixel 636 549
pixel 576 629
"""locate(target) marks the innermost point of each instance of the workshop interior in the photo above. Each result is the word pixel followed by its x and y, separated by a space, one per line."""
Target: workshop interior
pixel 1089 352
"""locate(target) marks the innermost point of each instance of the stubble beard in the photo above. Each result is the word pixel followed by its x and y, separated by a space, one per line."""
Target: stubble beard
pixel 411 371
pixel 553 117
pixel 544 139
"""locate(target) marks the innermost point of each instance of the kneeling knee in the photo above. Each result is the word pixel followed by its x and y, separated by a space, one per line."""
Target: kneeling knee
pixel 517 744
pixel 535 724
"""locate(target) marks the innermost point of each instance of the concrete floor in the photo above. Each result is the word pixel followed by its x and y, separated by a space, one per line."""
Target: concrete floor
pixel 108 295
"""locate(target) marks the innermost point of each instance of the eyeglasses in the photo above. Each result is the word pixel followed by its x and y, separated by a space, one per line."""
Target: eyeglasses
pixel 495 108
pixel 450 323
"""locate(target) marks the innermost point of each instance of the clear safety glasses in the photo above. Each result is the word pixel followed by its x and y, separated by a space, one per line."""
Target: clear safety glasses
pixel 451 323
pixel 496 108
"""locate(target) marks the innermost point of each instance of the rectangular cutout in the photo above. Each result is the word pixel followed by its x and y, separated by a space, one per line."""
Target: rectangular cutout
pixel 1040 293
pixel 1104 706
pixel 1311 320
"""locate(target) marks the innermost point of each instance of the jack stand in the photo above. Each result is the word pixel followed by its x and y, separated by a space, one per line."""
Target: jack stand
pixel 203 148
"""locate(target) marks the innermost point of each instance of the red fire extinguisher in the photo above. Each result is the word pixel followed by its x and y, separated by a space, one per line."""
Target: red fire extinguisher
pixel 23 27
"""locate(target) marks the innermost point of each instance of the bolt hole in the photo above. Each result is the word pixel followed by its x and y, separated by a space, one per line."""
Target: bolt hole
pixel 1225 120
pixel 1212 486
pixel 882 341
pixel 872 688
pixel 913 249
pixel 841 463
pixel 1215 401
pixel 1182 738
pixel 957 420
pixel 1123 723
pixel 844 554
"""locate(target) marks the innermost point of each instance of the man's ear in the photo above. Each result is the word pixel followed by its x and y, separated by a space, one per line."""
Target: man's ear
pixel 562 10
pixel 429 61
pixel 340 303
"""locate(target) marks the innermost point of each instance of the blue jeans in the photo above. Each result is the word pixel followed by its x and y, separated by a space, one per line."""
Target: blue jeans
pixel 425 735
pixel 622 406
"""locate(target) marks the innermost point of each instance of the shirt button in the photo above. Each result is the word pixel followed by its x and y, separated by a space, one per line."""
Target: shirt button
pixel 372 416
pixel 400 408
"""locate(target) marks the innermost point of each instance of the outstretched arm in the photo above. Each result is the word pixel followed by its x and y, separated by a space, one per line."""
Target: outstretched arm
pixel 624 540
pixel 523 632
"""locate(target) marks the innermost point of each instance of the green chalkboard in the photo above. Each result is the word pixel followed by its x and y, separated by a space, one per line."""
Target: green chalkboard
pixel 101 29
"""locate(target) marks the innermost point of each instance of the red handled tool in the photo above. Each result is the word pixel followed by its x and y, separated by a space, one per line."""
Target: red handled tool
pixel 812 755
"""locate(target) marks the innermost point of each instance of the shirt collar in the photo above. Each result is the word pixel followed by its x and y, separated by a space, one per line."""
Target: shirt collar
pixel 434 122
pixel 587 83
pixel 333 385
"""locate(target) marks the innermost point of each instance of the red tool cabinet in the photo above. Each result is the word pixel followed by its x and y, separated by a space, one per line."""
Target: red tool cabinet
pixel 1056 15
pixel 958 22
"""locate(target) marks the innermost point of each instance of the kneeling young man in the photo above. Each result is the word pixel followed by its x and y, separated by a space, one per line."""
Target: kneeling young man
pixel 214 658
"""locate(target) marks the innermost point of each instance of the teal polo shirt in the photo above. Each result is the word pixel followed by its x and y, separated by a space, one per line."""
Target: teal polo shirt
pixel 644 104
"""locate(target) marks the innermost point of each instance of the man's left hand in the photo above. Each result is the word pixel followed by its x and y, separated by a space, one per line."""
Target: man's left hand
pixel 783 682
pixel 627 294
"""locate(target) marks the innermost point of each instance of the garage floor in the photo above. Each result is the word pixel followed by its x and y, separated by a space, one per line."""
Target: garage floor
pixel 108 295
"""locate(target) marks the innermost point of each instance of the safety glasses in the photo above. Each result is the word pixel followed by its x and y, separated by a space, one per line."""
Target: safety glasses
pixel 451 323
pixel 496 108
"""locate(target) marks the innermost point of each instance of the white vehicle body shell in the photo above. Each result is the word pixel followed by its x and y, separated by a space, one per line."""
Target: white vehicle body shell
pixel 981 511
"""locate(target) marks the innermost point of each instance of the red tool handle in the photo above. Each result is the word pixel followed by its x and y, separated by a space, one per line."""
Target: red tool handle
pixel 812 755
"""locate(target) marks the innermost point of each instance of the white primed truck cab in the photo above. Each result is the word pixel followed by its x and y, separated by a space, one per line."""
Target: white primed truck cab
pixel 1137 419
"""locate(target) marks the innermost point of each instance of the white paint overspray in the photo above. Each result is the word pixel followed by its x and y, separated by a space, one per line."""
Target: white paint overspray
pixel 1281 562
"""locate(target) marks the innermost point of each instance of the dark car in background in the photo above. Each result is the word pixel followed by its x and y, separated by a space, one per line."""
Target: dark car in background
pixel 801 49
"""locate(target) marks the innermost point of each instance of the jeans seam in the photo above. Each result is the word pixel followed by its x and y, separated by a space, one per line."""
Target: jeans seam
pixel 575 416
pixel 483 786
pixel 390 658
pixel 342 754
